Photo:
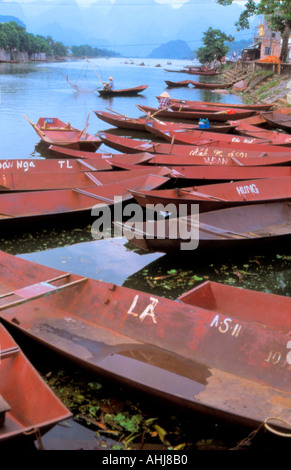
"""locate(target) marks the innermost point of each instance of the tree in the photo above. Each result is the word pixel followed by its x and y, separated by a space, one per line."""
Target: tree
pixel 277 13
pixel 214 46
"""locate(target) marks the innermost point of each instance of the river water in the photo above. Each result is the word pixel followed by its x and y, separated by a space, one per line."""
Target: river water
pixel 35 90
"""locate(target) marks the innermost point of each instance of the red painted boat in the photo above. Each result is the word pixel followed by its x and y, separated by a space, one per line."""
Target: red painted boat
pixel 219 196
pixel 217 160
pixel 253 226
pixel 198 137
pixel 195 104
pixel 211 86
pixel 67 165
pixel 27 404
pixel 122 121
pixel 70 180
pixel 195 150
pixel 158 128
pixel 280 120
pixel 180 84
pixel 31 207
pixel 214 174
pixel 217 357
pixel 201 72
pixel 53 131
pixel 272 137
pixel 181 112
pixel 123 92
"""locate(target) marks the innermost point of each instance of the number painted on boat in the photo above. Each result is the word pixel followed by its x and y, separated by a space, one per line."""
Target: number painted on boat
pixel 277 357
pixel 226 326
pixel 147 312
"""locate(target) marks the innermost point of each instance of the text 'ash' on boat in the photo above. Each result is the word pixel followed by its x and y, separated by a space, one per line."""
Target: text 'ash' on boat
pixel 209 352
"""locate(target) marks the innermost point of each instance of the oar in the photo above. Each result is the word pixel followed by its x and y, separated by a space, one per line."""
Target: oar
pixel 157 112
pixel 83 132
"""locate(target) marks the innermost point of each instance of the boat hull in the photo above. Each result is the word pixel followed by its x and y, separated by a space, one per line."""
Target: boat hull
pixel 171 350
pixel 31 406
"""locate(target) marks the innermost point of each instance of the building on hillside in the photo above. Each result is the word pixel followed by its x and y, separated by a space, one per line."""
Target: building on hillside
pixel 266 43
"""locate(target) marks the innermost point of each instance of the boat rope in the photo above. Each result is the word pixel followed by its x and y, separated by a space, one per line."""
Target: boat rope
pixel 247 441
pixel 37 433
pixel 274 431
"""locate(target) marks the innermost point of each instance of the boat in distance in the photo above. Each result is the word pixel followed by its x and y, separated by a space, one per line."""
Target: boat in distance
pixel 53 131
pixel 179 84
pixel 219 195
pixel 211 86
pixel 210 354
pixel 27 404
pixel 123 92
pixel 248 227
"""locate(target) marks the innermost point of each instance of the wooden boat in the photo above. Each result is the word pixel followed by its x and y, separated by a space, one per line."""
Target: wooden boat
pixel 211 86
pixel 214 358
pixel 253 226
pixel 194 150
pixel 66 163
pixel 144 124
pixel 216 159
pixel 101 160
pixel 122 121
pixel 53 131
pixel 184 113
pixel 195 104
pixel 272 137
pixel 70 180
pixel 123 92
pixel 275 119
pixel 213 174
pixel 180 84
pixel 213 197
pixel 27 404
pixel 158 128
pixel 202 72
pixel 198 137
pixel 43 206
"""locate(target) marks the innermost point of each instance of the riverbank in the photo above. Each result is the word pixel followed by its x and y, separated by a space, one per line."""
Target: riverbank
pixel 260 83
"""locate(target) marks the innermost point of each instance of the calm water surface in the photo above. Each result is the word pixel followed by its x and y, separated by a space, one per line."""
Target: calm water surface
pixel 36 90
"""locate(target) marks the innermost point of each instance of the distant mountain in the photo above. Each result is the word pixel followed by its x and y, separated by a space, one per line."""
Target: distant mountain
pixel 8 19
pixel 128 27
pixel 171 50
